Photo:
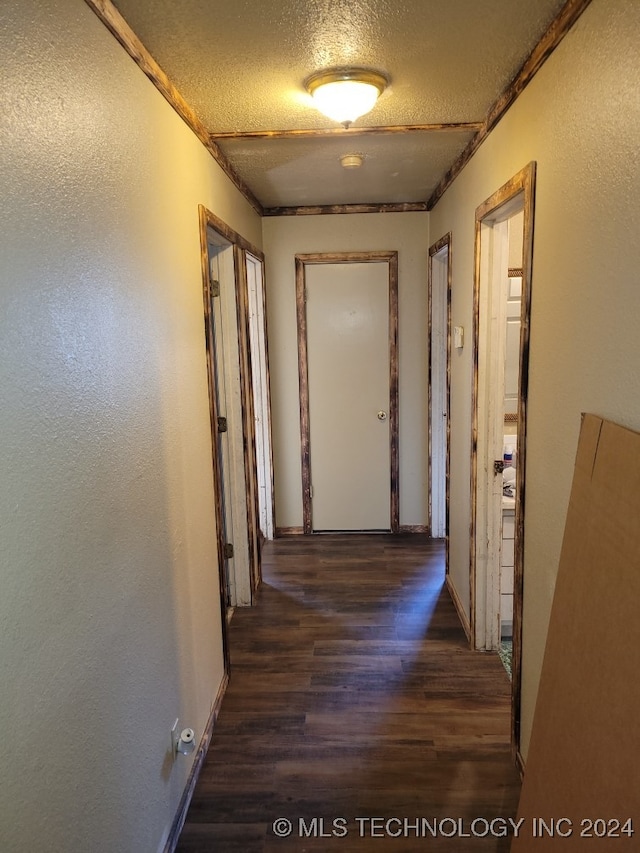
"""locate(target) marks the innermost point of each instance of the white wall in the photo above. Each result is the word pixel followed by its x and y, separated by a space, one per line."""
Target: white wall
pixel 286 236
pixel 580 120
pixel 109 609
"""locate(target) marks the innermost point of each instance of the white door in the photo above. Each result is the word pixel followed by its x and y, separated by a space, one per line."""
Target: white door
pixel 491 363
pixel 499 382
pixel 260 378
pixel 347 310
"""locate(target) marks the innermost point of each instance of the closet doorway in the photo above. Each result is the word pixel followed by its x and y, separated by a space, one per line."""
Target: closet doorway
pixel 498 386
pixel 231 268
pixel 439 382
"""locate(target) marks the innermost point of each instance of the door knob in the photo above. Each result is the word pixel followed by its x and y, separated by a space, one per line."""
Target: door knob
pixel 382 416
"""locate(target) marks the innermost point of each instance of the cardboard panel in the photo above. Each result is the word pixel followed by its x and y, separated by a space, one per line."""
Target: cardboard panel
pixel 583 771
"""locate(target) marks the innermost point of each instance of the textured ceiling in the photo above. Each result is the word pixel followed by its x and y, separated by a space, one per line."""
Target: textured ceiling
pixel 309 170
pixel 241 65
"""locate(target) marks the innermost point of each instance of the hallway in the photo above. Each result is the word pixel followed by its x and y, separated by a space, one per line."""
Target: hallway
pixel 353 694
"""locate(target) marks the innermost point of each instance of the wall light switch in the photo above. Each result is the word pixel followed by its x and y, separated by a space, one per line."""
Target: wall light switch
pixel 458 337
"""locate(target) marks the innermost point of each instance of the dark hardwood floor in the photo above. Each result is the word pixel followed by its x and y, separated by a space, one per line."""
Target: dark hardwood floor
pixel 353 695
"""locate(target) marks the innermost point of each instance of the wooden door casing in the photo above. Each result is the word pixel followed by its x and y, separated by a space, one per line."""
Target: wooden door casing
pixel 301 261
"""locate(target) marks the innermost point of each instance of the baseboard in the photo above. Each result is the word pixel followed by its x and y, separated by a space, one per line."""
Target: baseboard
pixel 404 528
pixel 201 754
pixel 289 531
pixel 462 616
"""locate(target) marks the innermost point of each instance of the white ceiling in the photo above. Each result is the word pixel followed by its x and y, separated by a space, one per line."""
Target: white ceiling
pixel 240 66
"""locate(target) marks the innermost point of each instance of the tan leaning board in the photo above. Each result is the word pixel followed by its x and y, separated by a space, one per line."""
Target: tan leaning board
pixel 582 776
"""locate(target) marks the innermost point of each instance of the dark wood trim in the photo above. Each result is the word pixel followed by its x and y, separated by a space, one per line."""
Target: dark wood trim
pixel 232 236
pixel 514 272
pixel 248 416
pixel 445 241
pixel 523 183
pixel 289 531
pixel 557 30
pixel 196 768
pixel 461 126
pixel 213 417
pixel 440 244
pixel 448 461
pixel 331 209
pixel 393 392
pixel 462 616
pixel 120 29
pixel 301 260
pixel 520 763
pixel 402 528
pixel 346 257
pixel 303 385
pixel 529 188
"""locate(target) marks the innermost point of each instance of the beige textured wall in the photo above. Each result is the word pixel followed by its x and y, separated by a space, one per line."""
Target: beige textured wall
pixel 580 120
pixel 109 607
pixel 284 237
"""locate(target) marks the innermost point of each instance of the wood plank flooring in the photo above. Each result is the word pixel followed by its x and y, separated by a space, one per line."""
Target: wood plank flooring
pixel 353 695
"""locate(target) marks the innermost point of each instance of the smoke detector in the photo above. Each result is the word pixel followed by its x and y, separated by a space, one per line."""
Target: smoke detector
pixel 352 161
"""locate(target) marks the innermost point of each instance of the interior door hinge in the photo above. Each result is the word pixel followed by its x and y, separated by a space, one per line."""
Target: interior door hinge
pixel 310 491
pixel 222 424
pixel 215 287
pixel 228 550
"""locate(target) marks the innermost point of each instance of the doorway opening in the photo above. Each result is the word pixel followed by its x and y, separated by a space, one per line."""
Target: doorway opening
pixel 221 274
pixel 261 393
pixel 231 401
pixel 439 387
pixel 502 302
pixel 347 307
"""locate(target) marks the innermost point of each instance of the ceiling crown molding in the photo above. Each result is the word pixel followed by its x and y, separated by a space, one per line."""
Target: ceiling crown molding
pixel 460 126
pixel 116 24
pixel 557 30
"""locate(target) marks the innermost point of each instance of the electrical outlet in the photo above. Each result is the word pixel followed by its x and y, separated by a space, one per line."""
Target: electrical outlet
pixel 175 737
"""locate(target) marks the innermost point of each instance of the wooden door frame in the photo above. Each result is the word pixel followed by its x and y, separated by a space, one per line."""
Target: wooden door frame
pixel 438 246
pixel 248 417
pixel 524 183
pixel 207 219
pixel 301 261
pixel 213 416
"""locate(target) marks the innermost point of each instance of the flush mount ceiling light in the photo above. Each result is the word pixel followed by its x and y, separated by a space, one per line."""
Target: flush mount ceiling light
pixel 345 94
